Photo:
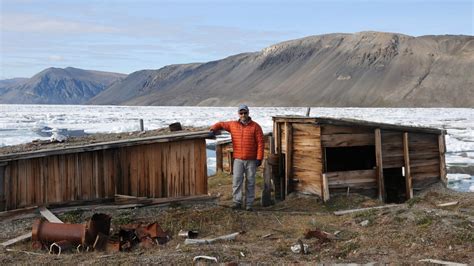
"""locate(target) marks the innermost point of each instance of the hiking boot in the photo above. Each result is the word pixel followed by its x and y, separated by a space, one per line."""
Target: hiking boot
pixel 236 206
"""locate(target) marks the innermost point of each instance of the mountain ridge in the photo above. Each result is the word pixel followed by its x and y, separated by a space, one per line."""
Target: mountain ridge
pixel 58 86
pixel 364 69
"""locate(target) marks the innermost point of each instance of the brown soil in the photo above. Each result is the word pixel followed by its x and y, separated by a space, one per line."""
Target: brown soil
pixel 405 234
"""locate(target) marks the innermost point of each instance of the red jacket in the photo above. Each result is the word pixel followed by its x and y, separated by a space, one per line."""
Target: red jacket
pixel 247 140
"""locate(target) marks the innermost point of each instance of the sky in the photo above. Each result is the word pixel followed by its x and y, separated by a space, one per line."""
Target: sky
pixel 130 35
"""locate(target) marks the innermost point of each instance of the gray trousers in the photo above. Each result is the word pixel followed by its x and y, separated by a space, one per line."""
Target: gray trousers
pixel 249 168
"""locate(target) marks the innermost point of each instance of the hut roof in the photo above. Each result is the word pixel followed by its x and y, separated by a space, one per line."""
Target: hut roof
pixel 106 145
pixel 356 122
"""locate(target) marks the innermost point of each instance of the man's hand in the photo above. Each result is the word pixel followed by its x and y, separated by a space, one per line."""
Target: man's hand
pixel 212 133
pixel 259 162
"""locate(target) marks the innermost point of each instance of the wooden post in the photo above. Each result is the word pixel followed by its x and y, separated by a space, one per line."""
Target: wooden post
pixel 406 157
pixel 272 145
pixel 2 188
pixel 442 162
pixel 141 125
pixel 219 159
pixel 378 159
pixel 281 161
pixel 325 189
pixel 289 155
pixel 308 111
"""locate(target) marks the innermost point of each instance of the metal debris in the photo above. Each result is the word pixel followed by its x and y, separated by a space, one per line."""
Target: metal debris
pixel 300 248
pixel 188 234
pixel 60 246
pixel 316 233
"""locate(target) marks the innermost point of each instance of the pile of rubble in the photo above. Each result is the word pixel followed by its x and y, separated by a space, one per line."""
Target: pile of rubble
pixel 58 237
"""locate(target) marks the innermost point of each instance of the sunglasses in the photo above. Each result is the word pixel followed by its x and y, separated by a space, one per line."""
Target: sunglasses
pixel 243 113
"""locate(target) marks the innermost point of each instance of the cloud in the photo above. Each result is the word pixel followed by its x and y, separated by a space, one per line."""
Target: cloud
pixel 55 58
pixel 28 23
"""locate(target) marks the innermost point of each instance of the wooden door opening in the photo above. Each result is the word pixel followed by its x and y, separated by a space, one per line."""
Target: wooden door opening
pixel 394 185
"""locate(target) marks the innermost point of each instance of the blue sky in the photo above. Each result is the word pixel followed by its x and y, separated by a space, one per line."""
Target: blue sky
pixel 129 35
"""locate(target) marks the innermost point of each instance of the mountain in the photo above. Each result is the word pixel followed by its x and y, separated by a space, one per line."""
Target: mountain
pixel 366 69
pixel 57 86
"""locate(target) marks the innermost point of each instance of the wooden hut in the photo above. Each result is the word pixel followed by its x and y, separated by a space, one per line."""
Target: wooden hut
pixel 322 156
pixel 156 167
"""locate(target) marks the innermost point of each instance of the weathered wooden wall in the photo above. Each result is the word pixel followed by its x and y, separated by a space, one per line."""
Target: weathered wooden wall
pixel 164 169
pixel 424 159
pixel 301 143
pixel 363 181
pixel 307 158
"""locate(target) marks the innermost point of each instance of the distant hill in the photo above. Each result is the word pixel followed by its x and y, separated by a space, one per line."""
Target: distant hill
pixel 57 86
pixel 366 69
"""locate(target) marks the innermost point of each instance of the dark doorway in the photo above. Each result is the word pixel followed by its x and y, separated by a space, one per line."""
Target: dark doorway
pixel 394 183
pixel 350 158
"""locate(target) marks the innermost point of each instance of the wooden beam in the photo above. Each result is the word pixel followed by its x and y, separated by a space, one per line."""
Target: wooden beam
pixel 288 156
pixel 406 157
pixel 107 145
pixel 16 239
pixel 281 160
pixel 378 159
pixel 442 161
pixel 219 159
pixel 49 215
pixel 366 209
pixel 325 188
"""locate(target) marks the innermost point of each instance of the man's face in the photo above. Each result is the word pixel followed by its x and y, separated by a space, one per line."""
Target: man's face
pixel 243 115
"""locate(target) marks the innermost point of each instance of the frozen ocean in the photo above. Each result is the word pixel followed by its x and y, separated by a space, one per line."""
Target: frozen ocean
pixel 18 124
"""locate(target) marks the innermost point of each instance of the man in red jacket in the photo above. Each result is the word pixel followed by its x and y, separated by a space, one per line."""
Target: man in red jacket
pixel 248 145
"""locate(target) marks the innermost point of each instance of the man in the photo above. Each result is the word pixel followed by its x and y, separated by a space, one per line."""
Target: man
pixel 248 145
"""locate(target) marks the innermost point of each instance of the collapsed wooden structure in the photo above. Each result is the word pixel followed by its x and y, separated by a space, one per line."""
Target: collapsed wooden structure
pixel 164 166
pixel 322 156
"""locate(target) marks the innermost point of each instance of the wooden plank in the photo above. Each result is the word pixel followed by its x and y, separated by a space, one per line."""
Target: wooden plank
pixel 281 178
pixel 442 161
pixel 107 145
pixel 353 179
pixel 379 163
pixel 8 188
pixel 16 239
pixel 49 215
pixel 366 209
pixel 325 190
pixel 347 140
pixel 334 129
pixel 288 156
pixel 408 177
pixel 22 188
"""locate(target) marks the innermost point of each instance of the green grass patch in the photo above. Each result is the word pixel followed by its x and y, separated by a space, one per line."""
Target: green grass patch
pixel 71 217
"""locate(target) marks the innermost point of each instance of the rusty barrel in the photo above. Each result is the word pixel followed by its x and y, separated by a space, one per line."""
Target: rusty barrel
pixel 45 231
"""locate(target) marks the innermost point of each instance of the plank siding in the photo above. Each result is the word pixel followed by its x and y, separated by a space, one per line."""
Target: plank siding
pixel 424 159
pixel 163 169
pixel 306 158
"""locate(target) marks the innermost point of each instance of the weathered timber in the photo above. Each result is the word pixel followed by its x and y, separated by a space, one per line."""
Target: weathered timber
pixel 288 156
pixel 347 140
pixel 150 168
pixel 408 177
pixel 366 209
pixel 379 163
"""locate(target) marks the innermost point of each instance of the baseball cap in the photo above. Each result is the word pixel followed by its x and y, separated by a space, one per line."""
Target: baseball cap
pixel 243 107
